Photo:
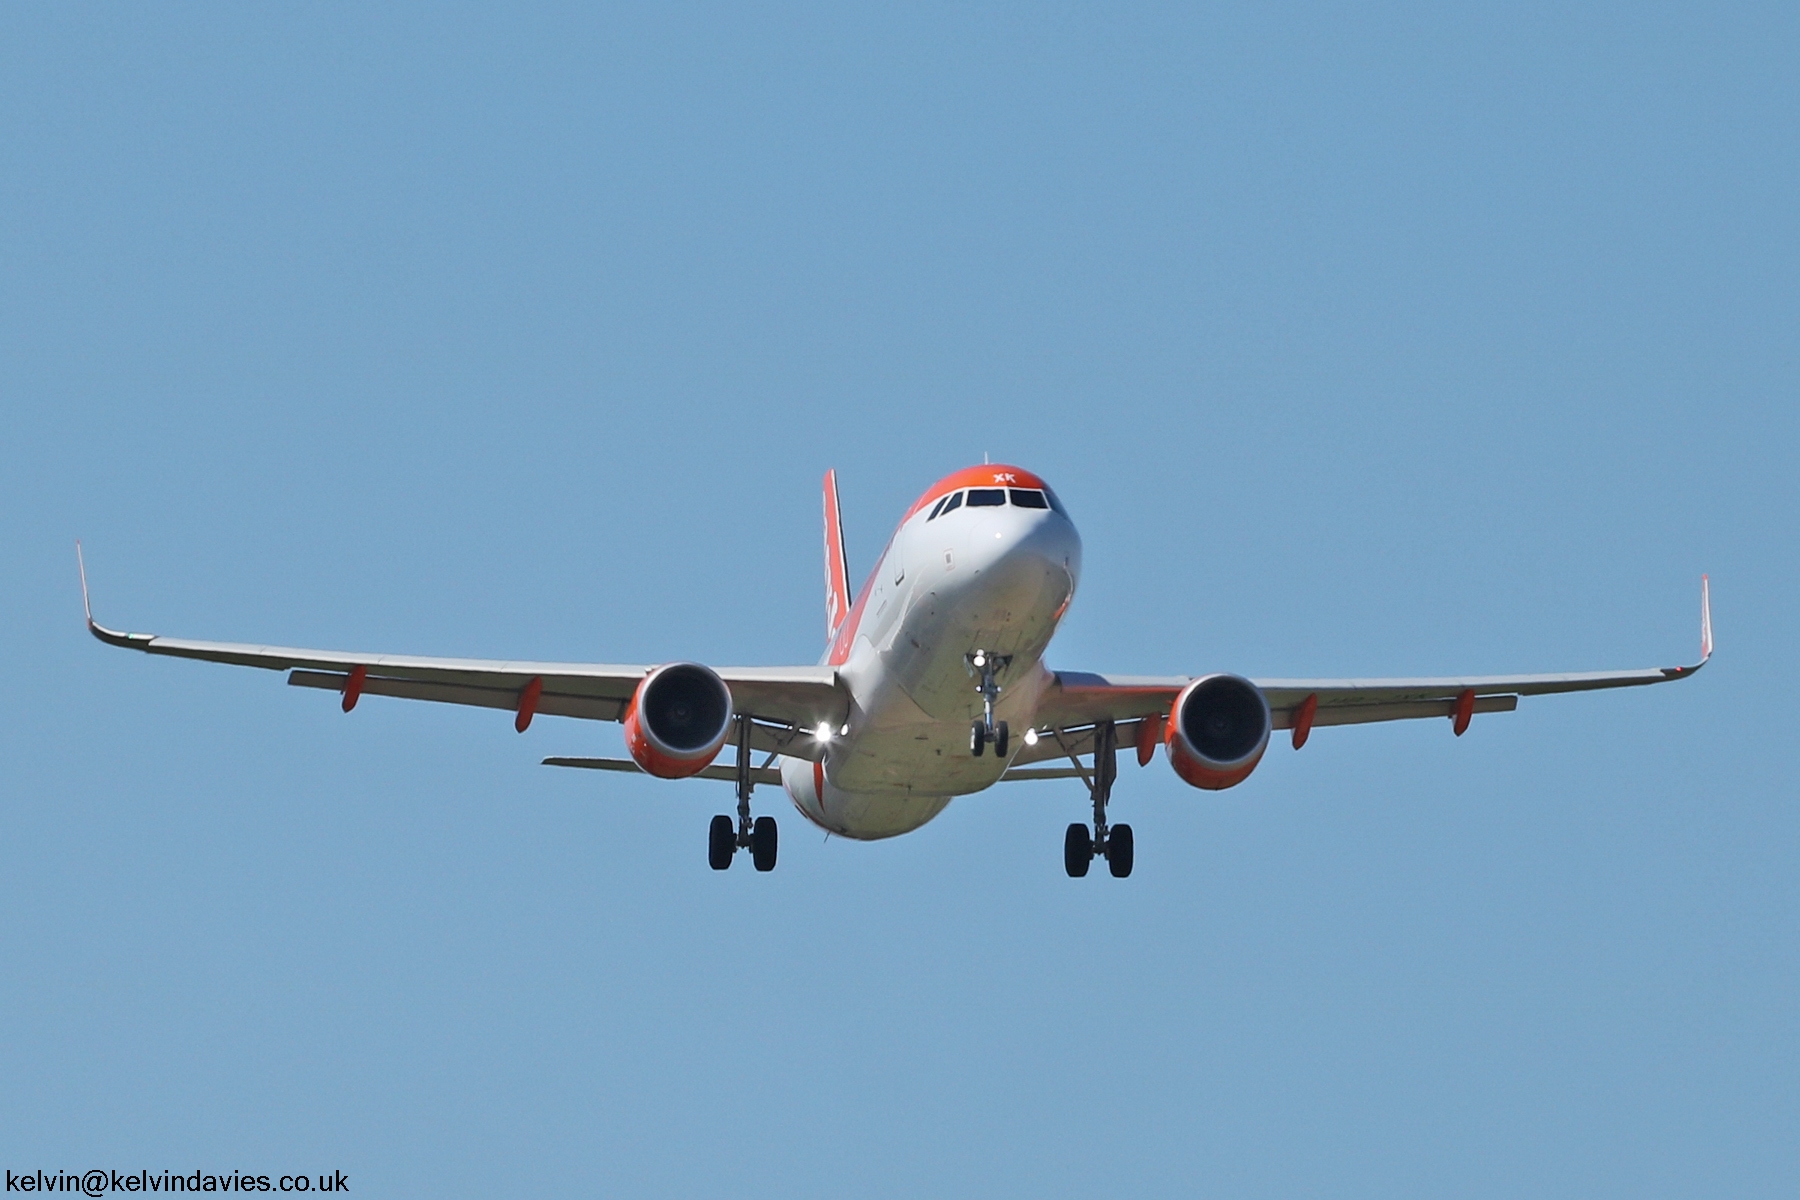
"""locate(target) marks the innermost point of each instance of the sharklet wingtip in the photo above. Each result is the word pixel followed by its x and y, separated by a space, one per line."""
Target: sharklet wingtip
pixel 112 637
pixel 81 566
pixel 1706 633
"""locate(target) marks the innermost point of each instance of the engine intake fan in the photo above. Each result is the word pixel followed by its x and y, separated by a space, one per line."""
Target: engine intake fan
pixel 1218 728
pixel 678 720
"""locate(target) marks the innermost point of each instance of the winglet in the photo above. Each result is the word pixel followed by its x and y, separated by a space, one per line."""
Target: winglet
pixel 837 575
pixel 81 565
pixel 1706 642
pixel 111 637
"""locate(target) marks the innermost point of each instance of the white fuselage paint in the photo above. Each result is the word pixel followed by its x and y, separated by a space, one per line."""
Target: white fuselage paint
pixel 994 579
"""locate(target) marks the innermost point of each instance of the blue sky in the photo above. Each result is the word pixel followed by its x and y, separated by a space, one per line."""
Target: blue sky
pixel 1412 341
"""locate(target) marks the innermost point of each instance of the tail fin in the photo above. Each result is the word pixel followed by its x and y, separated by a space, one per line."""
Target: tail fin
pixel 837 575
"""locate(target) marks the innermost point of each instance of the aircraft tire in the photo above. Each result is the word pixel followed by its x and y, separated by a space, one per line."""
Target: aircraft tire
pixel 763 840
pixel 977 738
pixel 1078 851
pixel 1002 735
pixel 721 842
pixel 1119 851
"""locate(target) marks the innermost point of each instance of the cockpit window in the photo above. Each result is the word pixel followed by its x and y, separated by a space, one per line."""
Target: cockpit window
pixel 995 498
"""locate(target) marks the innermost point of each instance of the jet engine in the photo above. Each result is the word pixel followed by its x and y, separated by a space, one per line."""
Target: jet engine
pixel 678 720
pixel 1217 731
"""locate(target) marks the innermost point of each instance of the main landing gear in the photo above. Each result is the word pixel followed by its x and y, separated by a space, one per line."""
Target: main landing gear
pixel 1114 844
pixel 987 729
pixel 725 838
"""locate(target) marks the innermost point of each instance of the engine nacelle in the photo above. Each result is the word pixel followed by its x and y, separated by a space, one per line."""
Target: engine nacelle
pixel 678 720
pixel 1217 731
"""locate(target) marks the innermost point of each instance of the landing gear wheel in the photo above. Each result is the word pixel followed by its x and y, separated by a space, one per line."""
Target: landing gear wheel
pixel 721 842
pixel 1078 851
pixel 1001 735
pixel 762 844
pixel 1119 851
pixel 977 738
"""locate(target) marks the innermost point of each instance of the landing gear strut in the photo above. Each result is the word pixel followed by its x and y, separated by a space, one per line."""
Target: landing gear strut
pixel 1114 843
pixel 987 729
pixel 725 839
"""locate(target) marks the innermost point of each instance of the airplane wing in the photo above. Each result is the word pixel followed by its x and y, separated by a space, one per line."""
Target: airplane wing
pixel 784 700
pixel 1078 699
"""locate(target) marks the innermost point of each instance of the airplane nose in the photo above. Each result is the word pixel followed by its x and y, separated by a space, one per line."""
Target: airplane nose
pixel 1051 539
pixel 1025 552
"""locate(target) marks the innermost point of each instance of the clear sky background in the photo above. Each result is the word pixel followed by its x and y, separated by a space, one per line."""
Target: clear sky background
pixel 1405 341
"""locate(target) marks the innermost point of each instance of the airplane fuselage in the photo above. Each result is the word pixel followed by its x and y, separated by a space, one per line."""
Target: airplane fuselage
pixel 976 566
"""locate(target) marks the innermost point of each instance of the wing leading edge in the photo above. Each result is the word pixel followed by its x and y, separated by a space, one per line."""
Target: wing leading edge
pixel 1080 698
pixel 792 698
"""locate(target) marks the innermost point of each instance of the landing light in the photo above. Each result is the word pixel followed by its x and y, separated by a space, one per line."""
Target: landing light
pixel 1031 737
pixel 823 732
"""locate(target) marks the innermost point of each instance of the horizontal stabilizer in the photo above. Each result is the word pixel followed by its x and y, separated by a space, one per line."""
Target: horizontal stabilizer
pixel 1025 774
pixel 719 771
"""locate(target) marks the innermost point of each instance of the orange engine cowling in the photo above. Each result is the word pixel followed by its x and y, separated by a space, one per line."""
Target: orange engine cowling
pixel 1217 731
pixel 678 720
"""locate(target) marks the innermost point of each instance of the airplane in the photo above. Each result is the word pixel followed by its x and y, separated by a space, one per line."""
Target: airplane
pixel 927 673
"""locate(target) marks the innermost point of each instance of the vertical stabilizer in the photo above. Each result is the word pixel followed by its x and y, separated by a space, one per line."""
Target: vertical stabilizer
pixel 837 575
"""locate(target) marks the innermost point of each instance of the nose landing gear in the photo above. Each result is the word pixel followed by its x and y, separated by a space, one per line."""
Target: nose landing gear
pixel 1114 843
pixel 987 729
pixel 724 838
pixel 979 737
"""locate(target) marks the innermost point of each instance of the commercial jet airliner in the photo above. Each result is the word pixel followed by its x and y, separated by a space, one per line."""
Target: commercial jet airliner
pixel 932 686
